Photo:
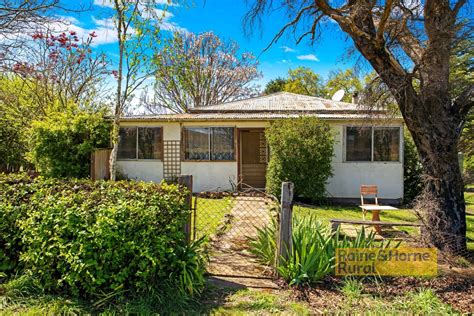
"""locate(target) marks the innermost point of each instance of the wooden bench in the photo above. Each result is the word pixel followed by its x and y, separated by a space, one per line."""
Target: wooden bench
pixel 335 223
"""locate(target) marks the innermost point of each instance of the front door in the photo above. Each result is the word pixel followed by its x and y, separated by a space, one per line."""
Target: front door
pixel 253 158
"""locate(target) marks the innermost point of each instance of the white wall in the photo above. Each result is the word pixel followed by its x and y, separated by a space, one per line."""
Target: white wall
pixel 211 176
pixel 146 170
pixel 349 176
pixel 345 183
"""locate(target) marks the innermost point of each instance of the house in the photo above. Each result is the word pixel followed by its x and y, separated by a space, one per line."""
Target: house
pixel 223 146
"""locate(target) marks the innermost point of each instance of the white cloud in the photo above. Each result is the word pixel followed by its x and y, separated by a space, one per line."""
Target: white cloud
pixel 287 49
pixel 310 57
pixel 110 3
pixel 284 61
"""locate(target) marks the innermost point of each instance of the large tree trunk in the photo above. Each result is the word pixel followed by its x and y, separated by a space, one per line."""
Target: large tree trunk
pixel 442 202
pixel 444 213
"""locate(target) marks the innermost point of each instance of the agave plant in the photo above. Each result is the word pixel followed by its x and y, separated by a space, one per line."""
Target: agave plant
pixel 263 244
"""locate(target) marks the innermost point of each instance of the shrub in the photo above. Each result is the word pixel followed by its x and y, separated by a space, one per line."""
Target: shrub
pixel 88 238
pixel 301 152
pixel 62 142
pixel 313 250
pixel 412 170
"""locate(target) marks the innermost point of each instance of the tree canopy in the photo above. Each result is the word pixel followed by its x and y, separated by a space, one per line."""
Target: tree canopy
pixel 197 70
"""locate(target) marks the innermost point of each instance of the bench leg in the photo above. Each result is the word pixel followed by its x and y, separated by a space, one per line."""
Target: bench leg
pixel 376 218
pixel 334 227
pixel 364 212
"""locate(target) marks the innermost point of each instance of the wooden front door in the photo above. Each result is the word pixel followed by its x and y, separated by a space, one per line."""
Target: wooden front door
pixel 253 157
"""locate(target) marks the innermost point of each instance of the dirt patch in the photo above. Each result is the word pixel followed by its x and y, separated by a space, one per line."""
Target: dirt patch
pixel 229 254
pixel 327 296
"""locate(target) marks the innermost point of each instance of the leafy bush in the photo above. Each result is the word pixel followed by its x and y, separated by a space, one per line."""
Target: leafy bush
pixel 301 152
pixel 62 142
pixel 313 250
pixel 88 238
pixel 412 170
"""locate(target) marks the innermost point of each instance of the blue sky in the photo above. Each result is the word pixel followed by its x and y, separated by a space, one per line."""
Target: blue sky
pixel 224 17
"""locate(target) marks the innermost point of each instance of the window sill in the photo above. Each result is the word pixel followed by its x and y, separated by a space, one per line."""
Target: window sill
pixel 188 160
pixel 151 160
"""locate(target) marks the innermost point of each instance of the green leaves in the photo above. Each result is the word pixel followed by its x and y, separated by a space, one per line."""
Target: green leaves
pixel 63 142
pixel 89 238
pixel 301 151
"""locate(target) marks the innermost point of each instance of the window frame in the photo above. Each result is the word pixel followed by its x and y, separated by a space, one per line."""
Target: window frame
pixel 183 143
pixel 372 128
pixel 137 143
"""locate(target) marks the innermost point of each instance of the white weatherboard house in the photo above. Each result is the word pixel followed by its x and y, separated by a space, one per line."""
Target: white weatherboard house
pixel 223 146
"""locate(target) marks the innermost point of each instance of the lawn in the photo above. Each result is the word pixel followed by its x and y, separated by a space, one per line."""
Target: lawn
pixel 210 214
pixel 325 213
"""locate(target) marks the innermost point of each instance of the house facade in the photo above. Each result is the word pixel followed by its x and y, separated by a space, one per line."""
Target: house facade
pixel 224 147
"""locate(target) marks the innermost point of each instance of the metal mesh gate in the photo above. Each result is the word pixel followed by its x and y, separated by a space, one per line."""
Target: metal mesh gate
pixel 229 222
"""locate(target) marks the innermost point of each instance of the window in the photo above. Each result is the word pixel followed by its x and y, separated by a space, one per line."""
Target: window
pixel 209 143
pixel 372 144
pixel 127 148
pixel 149 143
pixel 358 144
pixel 387 144
pixel 140 143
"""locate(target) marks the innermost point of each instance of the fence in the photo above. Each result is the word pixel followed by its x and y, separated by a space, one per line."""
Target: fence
pixel 100 164
pixel 230 223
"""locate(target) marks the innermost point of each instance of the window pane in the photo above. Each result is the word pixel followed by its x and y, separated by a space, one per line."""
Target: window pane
pixel 387 144
pixel 196 145
pixel 149 143
pixel 222 143
pixel 358 144
pixel 127 148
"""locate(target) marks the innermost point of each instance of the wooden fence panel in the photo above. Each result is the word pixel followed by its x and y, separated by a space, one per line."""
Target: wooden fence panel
pixel 100 164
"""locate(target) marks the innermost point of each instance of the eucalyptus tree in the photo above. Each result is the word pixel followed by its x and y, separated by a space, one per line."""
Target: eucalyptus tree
pixel 409 45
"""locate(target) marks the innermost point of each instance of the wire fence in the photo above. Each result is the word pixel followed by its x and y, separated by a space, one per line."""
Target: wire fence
pixel 229 222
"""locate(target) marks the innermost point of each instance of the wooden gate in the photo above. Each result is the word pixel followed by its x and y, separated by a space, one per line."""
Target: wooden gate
pixel 100 164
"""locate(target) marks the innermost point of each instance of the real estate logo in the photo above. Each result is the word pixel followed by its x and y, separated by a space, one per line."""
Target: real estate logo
pixel 405 261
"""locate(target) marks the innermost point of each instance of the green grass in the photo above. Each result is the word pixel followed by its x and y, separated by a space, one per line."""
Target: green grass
pixel 325 213
pixel 210 214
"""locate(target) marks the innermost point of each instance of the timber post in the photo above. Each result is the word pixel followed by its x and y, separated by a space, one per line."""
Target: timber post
pixel 284 234
pixel 187 182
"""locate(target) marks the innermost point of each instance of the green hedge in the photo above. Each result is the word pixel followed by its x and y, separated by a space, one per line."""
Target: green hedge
pixel 62 142
pixel 83 238
pixel 301 151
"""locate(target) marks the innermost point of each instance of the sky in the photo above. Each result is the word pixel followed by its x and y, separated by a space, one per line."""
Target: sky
pixel 224 17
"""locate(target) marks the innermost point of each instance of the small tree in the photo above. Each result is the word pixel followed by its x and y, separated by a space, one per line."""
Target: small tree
pixel 301 151
pixel 200 70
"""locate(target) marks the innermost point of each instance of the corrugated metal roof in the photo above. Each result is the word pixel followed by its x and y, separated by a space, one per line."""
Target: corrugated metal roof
pixel 270 107
pixel 245 116
pixel 280 101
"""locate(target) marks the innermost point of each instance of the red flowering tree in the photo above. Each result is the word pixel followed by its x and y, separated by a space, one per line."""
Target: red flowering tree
pixel 62 68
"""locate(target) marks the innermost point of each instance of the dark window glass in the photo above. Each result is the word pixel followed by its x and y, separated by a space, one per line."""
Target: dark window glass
pixel 387 144
pixel 196 146
pixel 127 148
pixel 222 143
pixel 149 143
pixel 358 144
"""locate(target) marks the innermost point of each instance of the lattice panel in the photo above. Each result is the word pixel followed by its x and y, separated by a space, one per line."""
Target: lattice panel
pixel 171 159
pixel 262 148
